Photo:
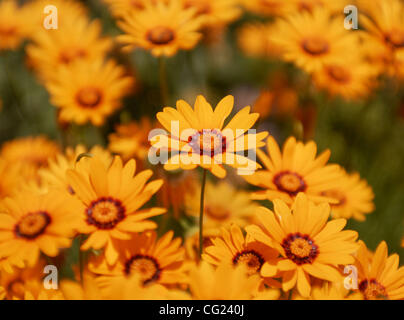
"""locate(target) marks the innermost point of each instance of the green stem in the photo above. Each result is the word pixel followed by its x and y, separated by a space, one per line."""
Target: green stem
pixel 201 210
pixel 163 81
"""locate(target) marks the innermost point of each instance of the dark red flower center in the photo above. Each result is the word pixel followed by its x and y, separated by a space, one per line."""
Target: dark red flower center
pixel 300 248
pixel 147 267
pixel 32 224
pixel 105 213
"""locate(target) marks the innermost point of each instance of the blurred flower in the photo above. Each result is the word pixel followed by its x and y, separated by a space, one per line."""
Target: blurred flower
pixel 29 154
pixel 111 198
pixel 379 277
pixel 13 25
pixel 311 40
pixel 355 197
pixel 30 224
pixel 330 291
pixel 10 178
pixel 89 91
pixel 162 28
pixel 153 260
pixel 348 79
pixel 132 288
pixel 203 141
pixel 175 189
pixel 309 245
pixel 53 49
pixel 69 13
pixel 254 40
pixel 37 291
pixel 88 290
pixel 336 6
pixel 15 280
pixel 54 176
pixel 294 170
pixel 386 23
pixel 120 8
pixel 131 140
pixel 266 7
pixel 235 249
pixel 215 13
pixel 224 205
pixel 224 283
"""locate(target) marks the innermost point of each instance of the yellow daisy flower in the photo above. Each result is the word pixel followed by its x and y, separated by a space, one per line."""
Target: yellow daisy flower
pixel 120 8
pixel 10 178
pixel 233 248
pixel 36 291
pixel 295 169
pixel 131 140
pixel 202 139
pixel 336 6
pixel 379 276
pixel 254 40
pixel 111 198
pixel 330 291
pixel 266 7
pixel 30 224
pixel 354 196
pixel 132 288
pixel 89 91
pixel 215 13
pixel 162 28
pixel 153 260
pixel 350 80
pixel 311 40
pixel 224 205
pixel 175 189
pixel 77 41
pixel 88 290
pixel 54 176
pixel 13 25
pixel 68 13
pixel 386 23
pixel 15 280
pixel 308 244
pixel 226 282
pixel 29 154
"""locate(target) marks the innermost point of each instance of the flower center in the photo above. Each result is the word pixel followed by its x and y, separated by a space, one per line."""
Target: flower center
pixel 251 259
pixel 395 38
pixel 105 213
pixel 289 182
pixel 315 46
pixel 32 225
pixel 147 267
pixel 16 289
pixel 8 31
pixel 69 54
pixel 338 74
pixel 89 97
pixel 372 290
pixel 138 4
pixel 160 35
pixel 208 142
pixel 217 212
pixel 300 248
pixel 337 195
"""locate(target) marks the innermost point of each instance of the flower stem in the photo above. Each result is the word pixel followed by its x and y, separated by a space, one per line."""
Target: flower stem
pixel 163 81
pixel 201 210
